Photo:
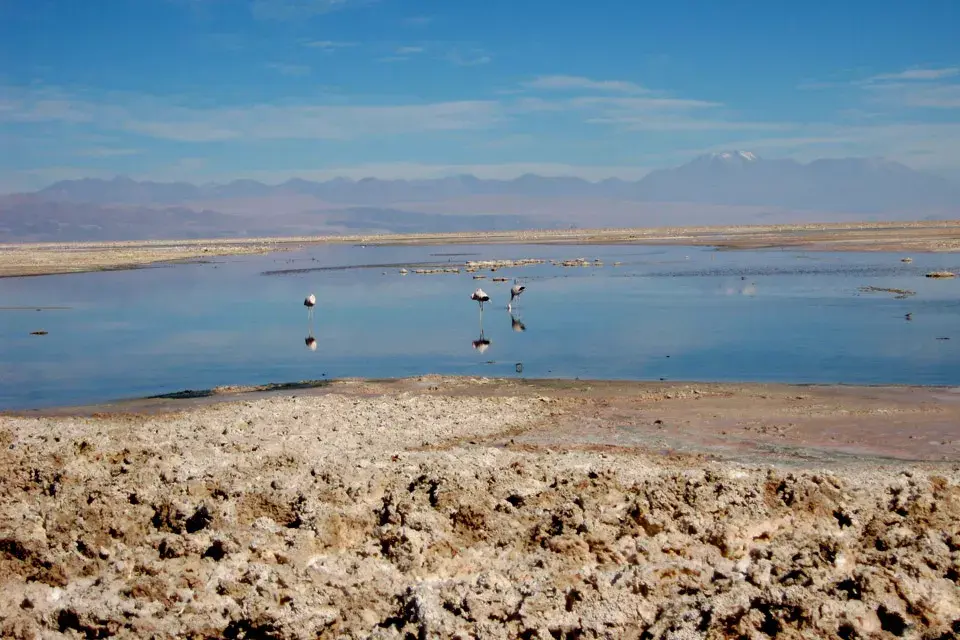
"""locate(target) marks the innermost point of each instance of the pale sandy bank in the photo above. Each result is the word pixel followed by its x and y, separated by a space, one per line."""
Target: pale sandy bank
pixel 482 509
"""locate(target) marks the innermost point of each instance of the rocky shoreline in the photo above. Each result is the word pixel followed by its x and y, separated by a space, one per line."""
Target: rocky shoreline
pixel 440 508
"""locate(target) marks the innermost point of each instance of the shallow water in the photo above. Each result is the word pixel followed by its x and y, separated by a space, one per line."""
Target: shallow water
pixel 666 312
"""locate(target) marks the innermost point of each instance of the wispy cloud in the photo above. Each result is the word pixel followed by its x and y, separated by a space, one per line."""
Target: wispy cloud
pixel 289 69
pixel 912 95
pixel 418 21
pixel 226 41
pixel 416 170
pixel 916 88
pixel 329 45
pixel 41 104
pixel 107 152
pixel 471 59
pixel 402 54
pixel 654 122
pixel 918 74
pixel 930 88
pixel 299 9
pixel 633 105
pixel 579 83
pixel 908 75
pixel 168 119
pixel 819 85
pixel 646 113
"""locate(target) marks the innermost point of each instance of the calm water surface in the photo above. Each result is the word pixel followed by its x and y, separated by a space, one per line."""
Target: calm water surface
pixel 671 312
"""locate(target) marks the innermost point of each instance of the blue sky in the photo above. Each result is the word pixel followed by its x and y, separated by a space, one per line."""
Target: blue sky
pixel 212 90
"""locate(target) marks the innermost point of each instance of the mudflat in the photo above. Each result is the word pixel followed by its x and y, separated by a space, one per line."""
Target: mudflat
pixel 456 507
pixel 51 258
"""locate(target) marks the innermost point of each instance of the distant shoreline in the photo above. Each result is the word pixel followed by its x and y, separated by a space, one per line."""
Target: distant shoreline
pixel 45 258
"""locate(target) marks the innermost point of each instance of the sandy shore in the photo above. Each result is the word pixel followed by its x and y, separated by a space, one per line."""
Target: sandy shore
pixel 52 258
pixel 471 508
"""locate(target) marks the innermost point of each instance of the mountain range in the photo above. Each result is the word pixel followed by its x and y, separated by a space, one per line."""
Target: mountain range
pixel 733 187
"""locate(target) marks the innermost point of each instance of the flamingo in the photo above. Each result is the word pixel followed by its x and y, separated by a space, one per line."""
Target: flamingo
pixel 480 296
pixel 515 292
pixel 310 302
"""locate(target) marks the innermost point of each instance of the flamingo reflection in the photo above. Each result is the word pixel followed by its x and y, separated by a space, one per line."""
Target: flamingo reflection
pixel 481 344
pixel 516 324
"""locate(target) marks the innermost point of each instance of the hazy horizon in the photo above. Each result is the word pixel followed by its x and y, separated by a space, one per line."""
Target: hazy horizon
pixel 503 174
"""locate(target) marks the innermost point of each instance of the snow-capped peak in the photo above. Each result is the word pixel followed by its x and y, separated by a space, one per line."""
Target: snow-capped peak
pixel 745 156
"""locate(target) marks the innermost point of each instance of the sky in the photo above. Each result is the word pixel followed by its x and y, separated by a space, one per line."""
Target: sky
pixel 215 90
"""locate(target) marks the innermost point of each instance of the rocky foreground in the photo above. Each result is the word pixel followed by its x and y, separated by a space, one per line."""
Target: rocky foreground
pixel 394 515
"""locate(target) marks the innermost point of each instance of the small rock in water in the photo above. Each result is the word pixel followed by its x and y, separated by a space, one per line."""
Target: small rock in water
pixel 39 332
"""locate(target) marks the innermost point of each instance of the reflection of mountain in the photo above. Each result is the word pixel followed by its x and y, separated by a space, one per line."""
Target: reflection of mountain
pixel 721 188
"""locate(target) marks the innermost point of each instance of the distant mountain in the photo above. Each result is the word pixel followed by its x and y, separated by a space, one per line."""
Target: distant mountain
pixel 120 190
pixel 733 187
pixel 850 184
pixel 728 178
pixel 32 219
pixel 37 220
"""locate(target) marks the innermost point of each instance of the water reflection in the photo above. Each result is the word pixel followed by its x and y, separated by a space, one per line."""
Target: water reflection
pixel 481 344
pixel 516 324
pixel 310 341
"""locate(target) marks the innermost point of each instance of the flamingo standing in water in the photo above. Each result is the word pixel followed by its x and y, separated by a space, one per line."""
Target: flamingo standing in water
pixel 310 302
pixel 480 296
pixel 515 292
